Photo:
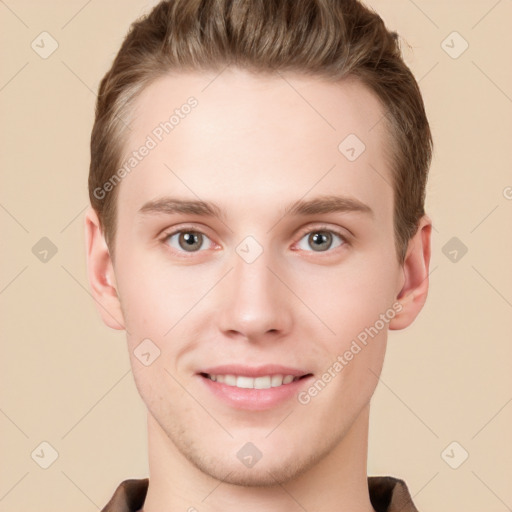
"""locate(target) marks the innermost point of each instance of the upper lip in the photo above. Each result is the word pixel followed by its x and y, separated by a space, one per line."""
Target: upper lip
pixel 254 371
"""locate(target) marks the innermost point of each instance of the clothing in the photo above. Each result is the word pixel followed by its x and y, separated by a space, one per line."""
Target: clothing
pixel 387 494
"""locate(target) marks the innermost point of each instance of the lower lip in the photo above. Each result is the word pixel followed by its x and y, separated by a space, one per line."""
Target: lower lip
pixel 255 399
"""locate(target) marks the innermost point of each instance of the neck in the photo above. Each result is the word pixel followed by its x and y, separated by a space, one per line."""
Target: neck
pixel 336 482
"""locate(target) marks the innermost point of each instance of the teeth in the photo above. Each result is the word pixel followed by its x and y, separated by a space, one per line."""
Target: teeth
pixel 265 382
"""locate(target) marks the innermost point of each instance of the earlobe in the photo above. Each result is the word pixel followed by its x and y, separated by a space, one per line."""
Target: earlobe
pixel 414 292
pixel 100 273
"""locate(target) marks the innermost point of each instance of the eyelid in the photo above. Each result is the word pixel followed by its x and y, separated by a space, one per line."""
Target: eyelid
pixel 323 227
pixel 178 229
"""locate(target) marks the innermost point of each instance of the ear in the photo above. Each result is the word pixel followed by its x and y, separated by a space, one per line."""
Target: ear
pixel 100 272
pixel 414 291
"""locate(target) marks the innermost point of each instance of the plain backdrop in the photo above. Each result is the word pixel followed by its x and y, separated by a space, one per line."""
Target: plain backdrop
pixel 68 400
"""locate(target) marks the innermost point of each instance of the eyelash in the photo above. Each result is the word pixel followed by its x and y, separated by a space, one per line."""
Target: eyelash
pixel 189 229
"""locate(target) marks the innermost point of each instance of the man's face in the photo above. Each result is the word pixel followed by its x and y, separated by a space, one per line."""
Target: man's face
pixel 254 286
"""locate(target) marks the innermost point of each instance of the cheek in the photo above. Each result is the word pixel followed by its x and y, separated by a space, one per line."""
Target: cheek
pixel 156 295
pixel 351 297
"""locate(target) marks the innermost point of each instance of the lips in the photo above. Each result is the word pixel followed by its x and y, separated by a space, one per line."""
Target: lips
pixel 254 388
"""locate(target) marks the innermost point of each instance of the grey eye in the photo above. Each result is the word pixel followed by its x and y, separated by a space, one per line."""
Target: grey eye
pixel 320 240
pixel 189 241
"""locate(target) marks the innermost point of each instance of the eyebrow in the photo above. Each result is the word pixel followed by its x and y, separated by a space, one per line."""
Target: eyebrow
pixel 318 205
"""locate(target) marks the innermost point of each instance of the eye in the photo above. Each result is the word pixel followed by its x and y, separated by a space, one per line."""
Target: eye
pixel 321 239
pixel 186 240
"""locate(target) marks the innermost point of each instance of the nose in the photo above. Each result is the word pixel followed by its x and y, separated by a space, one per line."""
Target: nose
pixel 254 302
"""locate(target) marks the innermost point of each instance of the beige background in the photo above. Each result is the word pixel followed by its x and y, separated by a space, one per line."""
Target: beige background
pixel 66 378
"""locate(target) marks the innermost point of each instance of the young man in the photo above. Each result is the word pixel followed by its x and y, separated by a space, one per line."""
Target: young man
pixel 257 225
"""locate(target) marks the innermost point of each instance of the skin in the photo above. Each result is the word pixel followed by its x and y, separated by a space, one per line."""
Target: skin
pixel 253 145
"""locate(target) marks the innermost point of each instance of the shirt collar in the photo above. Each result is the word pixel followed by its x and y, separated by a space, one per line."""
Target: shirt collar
pixel 387 494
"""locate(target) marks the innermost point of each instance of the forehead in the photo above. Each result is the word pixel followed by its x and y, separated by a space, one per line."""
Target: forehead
pixel 237 133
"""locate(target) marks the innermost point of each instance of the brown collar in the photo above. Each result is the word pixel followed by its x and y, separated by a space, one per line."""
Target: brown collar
pixel 387 494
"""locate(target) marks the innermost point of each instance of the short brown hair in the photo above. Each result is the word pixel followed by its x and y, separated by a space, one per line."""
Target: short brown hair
pixel 331 39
